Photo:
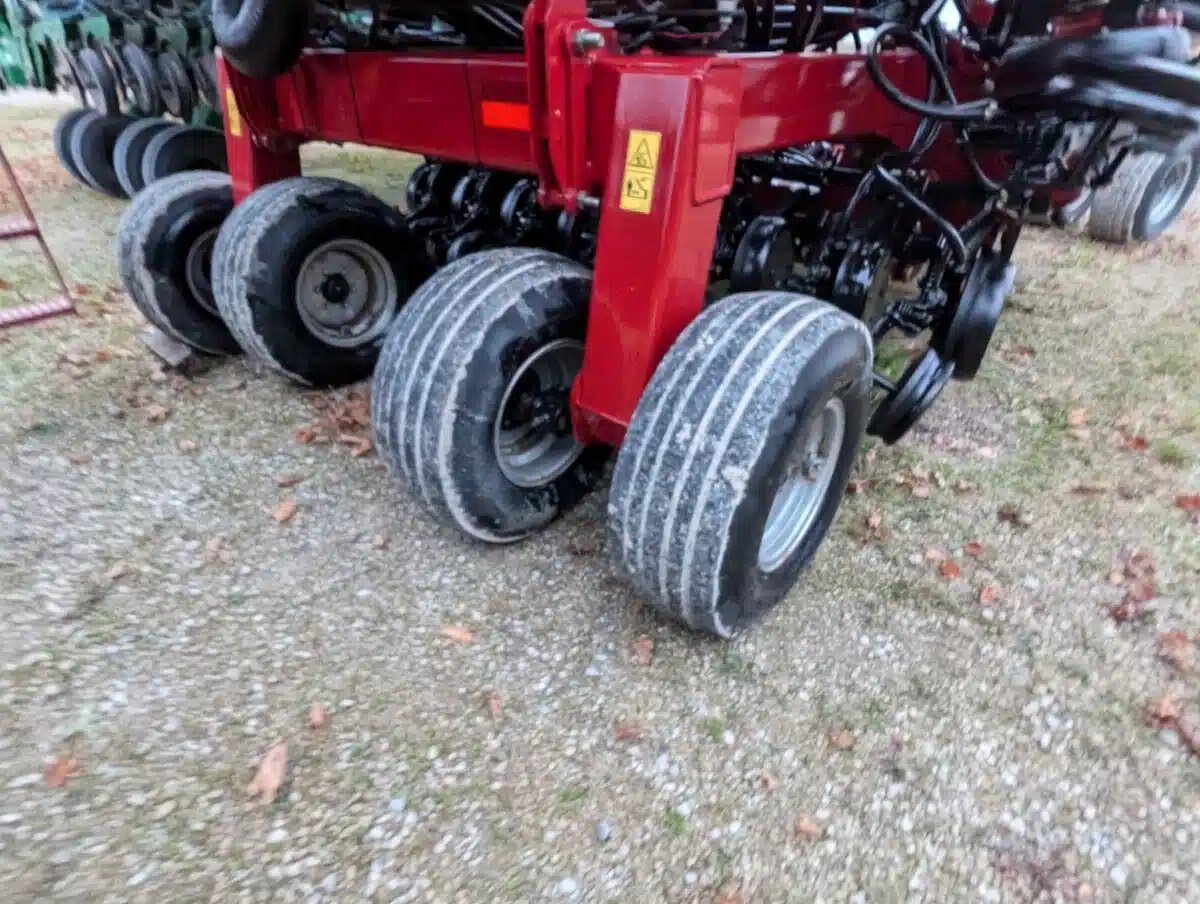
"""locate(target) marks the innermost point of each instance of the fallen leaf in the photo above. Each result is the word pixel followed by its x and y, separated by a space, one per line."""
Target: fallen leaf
pixel 630 730
pixel 1077 417
pixel 874 519
pixel 117 571
pixel 1090 489
pixel 1165 711
pixel 643 649
pixel 493 703
pixel 188 445
pixel 933 554
pixel 285 511
pixel 1135 442
pixel 950 570
pixel 1189 502
pixel 271 774
pixel 63 768
pixel 987 595
pixel 289 480
pixel 1177 650
pixel 1012 514
pixel 973 548
pixel 458 634
pixel 842 738
pixel 156 413
pixel 856 487
pixel 766 781
pixel 807 829
pixel 1126 611
pixel 217 550
pixel 1188 727
pixel 318 718
pixel 730 894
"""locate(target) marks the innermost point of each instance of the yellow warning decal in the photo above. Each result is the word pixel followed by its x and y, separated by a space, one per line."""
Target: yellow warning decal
pixel 233 115
pixel 641 168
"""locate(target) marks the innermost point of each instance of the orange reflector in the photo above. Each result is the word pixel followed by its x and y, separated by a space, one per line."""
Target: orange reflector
pixel 499 114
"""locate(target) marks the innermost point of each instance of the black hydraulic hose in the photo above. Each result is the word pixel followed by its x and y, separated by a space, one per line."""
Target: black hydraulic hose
pixel 972 111
pixel 953 237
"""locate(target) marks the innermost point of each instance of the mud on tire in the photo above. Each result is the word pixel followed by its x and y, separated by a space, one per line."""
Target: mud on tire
pixel 450 377
pixel 267 258
pixel 761 391
pixel 164 250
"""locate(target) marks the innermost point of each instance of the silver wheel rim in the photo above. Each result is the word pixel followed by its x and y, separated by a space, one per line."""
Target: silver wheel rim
pixel 1173 186
pixel 532 437
pixel 810 465
pixel 346 293
pixel 197 270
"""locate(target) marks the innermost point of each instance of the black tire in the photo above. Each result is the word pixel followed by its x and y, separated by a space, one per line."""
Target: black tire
pixel 163 245
pixel 267 248
pixel 98 82
pixel 262 38
pixel 181 149
pixel 175 84
pixel 203 66
pixel 446 369
pixel 62 140
pixel 706 452
pixel 1132 208
pixel 1073 212
pixel 130 150
pixel 93 140
pixel 142 80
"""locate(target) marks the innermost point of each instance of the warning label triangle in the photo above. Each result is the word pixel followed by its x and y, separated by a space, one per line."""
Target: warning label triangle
pixel 642 157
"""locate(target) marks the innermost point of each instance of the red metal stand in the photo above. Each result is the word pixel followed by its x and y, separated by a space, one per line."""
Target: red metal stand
pixel 27 228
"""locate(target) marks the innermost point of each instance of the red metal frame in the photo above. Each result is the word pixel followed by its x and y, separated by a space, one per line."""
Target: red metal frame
pixel 564 111
pixel 27 228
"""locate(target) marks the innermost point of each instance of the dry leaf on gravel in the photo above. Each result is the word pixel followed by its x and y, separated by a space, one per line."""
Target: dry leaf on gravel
pixel 987 595
pixel 63 768
pixel 117 571
pixel 950 570
pixel 217 550
pixel 1189 502
pixel 458 634
pixel 289 480
pixel 973 548
pixel 630 730
pixel 855 487
pixel 730 894
pixel 1135 442
pixel 1090 489
pixel 188 445
pixel 766 781
pixel 156 413
pixel 271 774
pixel 807 829
pixel 1165 711
pixel 1011 513
pixel 933 554
pixel 1178 650
pixel 643 649
pixel 842 738
pixel 79 458
pixel 493 703
pixel 1188 728
pixel 285 511
pixel 318 718
pixel 342 417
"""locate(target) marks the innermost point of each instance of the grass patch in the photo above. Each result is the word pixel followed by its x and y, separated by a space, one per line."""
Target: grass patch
pixel 675 823
pixel 713 729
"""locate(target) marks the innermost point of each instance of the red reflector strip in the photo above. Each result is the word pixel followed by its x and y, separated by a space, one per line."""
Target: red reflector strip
pixel 499 114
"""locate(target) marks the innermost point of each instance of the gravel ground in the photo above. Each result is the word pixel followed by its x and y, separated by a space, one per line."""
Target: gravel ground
pixel 945 710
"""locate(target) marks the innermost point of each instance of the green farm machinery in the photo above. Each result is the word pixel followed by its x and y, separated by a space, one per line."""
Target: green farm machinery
pixel 144 75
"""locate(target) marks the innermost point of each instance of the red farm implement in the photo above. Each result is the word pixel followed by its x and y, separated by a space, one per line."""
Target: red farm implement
pixel 675 230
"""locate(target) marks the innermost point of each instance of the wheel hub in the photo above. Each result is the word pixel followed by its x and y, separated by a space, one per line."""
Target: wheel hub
pixel 532 439
pixel 346 293
pixel 197 270
pixel 808 475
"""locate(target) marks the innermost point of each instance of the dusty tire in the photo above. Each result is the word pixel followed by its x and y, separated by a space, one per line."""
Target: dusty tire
pixel 711 442
pixel 62 140
pixel 182 149
pixel 164 248
pixel 130 151
pixel 1145 197
pixel 261 38
pixel 284 237
pixel 142 80
pixel 1073 212
pixel 447 376
pixel 93 140
pixel 98 82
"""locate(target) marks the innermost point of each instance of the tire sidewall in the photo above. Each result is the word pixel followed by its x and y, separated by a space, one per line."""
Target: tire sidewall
pixel 501 508
pixel 1145 228
pixel 272 289
pixel 746 592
